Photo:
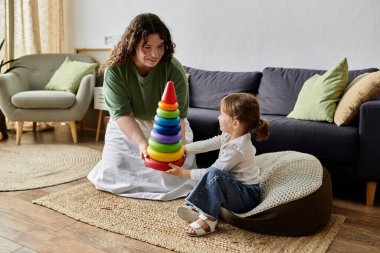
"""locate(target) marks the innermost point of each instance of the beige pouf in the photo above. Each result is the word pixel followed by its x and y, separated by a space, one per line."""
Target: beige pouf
pixel 296 196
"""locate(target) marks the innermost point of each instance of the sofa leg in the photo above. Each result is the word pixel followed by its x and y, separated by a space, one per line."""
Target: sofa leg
pixel 371 190
pixel 20 125
pixel 73 128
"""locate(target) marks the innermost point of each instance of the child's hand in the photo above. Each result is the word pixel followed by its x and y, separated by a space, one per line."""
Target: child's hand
pixel 177 171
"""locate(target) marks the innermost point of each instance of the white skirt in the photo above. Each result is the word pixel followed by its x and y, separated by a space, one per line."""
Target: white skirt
pixel 122 172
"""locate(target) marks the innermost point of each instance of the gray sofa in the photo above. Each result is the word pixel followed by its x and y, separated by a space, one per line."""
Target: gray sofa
pixel 348 152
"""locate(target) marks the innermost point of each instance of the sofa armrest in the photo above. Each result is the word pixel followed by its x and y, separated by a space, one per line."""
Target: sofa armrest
pixel 369 139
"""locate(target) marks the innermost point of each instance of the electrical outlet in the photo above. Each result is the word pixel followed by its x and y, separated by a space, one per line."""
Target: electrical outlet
pixel 111 40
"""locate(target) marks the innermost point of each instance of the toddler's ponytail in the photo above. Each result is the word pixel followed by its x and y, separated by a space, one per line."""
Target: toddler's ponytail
pixel 262 130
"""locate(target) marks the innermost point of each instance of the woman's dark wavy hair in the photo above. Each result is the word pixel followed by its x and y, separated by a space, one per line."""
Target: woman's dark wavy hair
pixel 139 28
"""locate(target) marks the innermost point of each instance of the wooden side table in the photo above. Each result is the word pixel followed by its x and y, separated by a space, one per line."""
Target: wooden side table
pixel 99 104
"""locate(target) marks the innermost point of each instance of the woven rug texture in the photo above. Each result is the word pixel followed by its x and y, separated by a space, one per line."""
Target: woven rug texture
pixel 31 166
pixel 156 223
pixel 28 126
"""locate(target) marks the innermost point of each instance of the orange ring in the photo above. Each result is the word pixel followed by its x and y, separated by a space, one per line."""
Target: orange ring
pixel 167 107
pixel 165 157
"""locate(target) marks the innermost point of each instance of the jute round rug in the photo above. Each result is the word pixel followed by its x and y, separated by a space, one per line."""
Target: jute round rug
pixel 41 165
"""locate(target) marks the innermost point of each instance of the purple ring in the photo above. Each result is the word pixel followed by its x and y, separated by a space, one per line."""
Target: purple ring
pixel 165 138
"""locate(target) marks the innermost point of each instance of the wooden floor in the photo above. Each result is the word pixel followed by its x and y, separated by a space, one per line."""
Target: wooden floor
pixel 25 227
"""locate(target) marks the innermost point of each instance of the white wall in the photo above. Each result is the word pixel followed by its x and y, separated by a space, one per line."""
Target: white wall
pixel 243 35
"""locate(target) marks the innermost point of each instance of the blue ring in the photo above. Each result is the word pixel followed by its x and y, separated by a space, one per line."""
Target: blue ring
pixel 167 130
pixel 166 122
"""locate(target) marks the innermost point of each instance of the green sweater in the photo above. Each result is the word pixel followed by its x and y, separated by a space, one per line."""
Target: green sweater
pixel 126 91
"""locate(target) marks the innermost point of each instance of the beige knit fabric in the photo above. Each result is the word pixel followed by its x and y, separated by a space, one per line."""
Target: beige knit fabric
pixel 156 223
pixel 286 176
pixel 31 166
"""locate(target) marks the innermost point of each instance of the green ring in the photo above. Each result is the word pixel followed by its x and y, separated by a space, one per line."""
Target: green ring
pixel 164 148
pixel 167 114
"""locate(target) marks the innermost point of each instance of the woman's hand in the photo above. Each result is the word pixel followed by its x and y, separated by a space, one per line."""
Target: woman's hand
pixel 178 171
pixel 142 147
pixel 128 125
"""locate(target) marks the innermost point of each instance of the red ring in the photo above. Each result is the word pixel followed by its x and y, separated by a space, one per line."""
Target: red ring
pixel 157 165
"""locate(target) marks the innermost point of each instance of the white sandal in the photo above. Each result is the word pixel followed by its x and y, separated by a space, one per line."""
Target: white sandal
pixel 187 213
pixel 198 230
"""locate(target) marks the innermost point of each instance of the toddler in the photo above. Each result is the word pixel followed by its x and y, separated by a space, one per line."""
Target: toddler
pixel 232 181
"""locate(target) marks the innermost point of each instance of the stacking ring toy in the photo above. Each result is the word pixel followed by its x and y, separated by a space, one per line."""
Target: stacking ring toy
pixel 166 122
pixel 167 130
pixel 161 165
pixel 165 148
pixel 168 107
pixel 165 157
pixel 165 138
pixel 167 114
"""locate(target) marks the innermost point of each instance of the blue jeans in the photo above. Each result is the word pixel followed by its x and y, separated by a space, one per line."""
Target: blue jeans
pixel 219 189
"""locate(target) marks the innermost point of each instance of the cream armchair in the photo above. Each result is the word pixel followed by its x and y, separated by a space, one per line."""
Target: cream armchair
pixel 23 98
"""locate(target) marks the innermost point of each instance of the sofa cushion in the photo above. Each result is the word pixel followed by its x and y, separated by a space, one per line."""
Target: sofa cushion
pixel 279 87
pixel 320 93
pixel 205 125
pixel 207 88
pixel 323 140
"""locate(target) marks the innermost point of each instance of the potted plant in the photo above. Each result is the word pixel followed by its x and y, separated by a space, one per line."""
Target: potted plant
pixel 3 65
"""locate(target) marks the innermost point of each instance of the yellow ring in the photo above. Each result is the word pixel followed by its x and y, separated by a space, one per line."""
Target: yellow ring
pixel 167 107
pixel 165 157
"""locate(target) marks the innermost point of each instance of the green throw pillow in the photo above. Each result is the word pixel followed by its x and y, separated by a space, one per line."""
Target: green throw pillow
pixel 69 74
pixel 319 95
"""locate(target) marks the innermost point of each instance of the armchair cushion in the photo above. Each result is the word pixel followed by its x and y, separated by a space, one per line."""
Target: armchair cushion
pixel 38 99
pixel 69 74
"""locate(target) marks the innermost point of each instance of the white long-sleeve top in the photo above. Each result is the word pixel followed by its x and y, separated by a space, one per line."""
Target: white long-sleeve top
pixel 236 156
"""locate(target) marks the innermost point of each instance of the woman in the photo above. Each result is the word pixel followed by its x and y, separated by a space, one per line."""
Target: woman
pixel 135 77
